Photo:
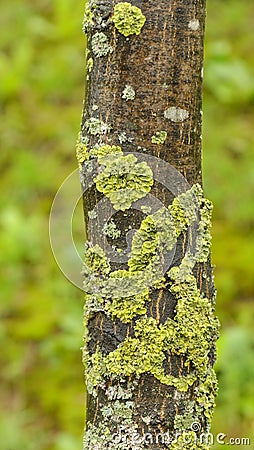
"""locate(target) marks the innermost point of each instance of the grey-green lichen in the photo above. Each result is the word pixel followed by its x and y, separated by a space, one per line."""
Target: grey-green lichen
pixel 96 437
pixel 100 45
pixel 194 24
pixel 92 214
pixel 88 18
pixel 185 421
pixel 159 137
pixel 128 19
pixel 81 151
pixel 110 230
pixel 122 137
pixel 95 126
pixel 124 180
pixel 128 93
pixel 176 114
pixel 96 15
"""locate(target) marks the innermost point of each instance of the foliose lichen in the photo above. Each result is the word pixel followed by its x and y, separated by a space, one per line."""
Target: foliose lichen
pixel 126 308
pixel 190 333
pixel 128 19
pixel 124 180
pixel 95 260
pixel 105 150
pixel 187 335
pixel 100 45
pixel 146 209
pixel 110 230
pixel 159 137
pixel 184 421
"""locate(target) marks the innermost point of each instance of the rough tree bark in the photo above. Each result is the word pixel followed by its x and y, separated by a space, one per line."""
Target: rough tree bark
pixel 151 331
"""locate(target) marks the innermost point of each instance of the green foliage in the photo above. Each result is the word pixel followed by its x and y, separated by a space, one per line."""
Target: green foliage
pixel 42 395
pixel 228 138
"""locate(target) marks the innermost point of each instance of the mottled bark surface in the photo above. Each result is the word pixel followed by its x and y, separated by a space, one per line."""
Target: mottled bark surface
pixel 163 64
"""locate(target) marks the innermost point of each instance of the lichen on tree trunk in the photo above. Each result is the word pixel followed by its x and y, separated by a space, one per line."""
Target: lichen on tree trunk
pixel 149 310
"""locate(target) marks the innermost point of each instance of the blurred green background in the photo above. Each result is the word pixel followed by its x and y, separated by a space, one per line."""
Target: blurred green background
pixel 41 89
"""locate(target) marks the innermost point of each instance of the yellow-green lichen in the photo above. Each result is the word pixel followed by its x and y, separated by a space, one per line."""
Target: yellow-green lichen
pixel 124 180
pixel 205 229
pixel 95 260
pixel 144 245
pixel 128 19
pixel 88 19
pixel 81 151
pixel 159 137
pixel 126 308
pixel 194 324
pixel 89 65
pixel 193 329
pixel 105 150
pixel 206 394
pixel 189 335
pixel 143 353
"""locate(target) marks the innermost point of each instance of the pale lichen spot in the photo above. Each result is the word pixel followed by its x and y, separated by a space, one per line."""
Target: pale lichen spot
pixel 194 24
pixel 176 114
pixel 128 93
pixel 100 45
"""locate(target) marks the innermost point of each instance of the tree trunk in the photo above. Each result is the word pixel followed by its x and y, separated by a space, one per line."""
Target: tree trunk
pixel 149 318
